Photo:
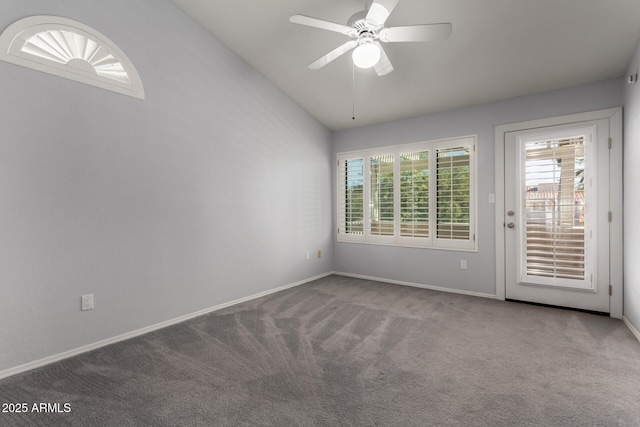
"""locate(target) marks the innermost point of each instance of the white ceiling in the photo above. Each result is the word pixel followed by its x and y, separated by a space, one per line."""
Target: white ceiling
pixel 499 49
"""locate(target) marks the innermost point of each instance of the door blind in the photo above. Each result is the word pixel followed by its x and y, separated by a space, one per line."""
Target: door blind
pixel 554 211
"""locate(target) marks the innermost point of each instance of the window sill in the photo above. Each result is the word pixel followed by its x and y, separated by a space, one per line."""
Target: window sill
pixel 405 245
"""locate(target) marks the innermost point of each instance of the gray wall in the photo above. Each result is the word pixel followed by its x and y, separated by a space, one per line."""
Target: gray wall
pixel 211 189
pixel 632 195
pixel 438 267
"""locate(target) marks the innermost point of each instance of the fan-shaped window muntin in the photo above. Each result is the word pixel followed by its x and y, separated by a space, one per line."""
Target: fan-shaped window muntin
pixel 72 50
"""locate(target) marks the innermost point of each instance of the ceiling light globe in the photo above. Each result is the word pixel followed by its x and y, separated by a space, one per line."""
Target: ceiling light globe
pixel 366 55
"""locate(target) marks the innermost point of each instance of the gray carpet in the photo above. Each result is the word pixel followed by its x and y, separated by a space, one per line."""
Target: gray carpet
pixel 342 351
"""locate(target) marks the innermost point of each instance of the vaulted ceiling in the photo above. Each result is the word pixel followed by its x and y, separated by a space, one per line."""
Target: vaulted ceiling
pixel 499 49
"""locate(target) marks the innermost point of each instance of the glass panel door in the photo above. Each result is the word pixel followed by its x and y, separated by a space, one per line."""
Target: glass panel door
pixel 556 215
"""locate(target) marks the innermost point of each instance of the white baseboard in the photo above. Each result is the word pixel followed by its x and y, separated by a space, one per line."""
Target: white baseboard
pixel 416 285
pixel 632 328
pixel 76 351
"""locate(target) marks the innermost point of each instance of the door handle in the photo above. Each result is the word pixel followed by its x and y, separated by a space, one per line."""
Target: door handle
pixel 511 225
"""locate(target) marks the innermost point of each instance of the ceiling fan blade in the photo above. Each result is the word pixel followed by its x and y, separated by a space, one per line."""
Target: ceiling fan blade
pixel 383 67
pixel 380 11
pixel 335 53
pixel 416 33
pixel 319 23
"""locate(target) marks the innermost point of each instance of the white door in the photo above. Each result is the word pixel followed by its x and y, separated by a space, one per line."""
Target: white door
pixel 556 215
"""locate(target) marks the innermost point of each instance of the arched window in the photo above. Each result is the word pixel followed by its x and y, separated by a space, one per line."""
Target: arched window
pixel 72 50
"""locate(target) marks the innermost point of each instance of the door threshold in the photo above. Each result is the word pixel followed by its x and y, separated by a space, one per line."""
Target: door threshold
pixel 598 313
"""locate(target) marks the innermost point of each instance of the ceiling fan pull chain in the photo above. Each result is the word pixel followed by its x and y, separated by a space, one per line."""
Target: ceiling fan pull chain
pixel 353 91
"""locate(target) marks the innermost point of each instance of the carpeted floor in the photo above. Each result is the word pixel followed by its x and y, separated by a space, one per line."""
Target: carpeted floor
pixel 342 351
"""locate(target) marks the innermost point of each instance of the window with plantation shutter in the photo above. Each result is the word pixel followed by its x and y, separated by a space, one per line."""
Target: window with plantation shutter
pixel 71 50
pixel 414 194
pixel 351 196
pixel 453 178
pixel 420 194
pixel 381 195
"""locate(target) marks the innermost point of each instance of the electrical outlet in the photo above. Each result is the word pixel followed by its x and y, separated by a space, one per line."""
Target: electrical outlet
pixel 319 253
pixel 87 302
pixel 307 256
pixel 463 264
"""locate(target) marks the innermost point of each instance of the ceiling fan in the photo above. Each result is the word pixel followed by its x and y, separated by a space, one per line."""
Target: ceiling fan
pixel 367 30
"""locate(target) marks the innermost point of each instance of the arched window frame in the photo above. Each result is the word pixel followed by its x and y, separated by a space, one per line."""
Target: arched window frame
pixel 16 47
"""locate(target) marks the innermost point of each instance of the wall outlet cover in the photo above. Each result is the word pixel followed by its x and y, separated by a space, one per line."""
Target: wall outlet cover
pixel 87 302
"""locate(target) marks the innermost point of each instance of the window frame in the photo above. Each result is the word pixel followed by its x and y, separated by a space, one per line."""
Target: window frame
pixel 430 242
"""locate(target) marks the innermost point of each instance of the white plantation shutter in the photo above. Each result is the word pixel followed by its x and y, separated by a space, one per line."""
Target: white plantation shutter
pixel 414 194
pixel 351 197
pixel 420 194
pixel 381 201
pixel 454 195
pixel 554 212
pixel 71 50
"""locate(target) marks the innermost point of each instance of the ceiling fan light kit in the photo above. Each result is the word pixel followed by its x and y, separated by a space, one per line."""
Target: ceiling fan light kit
pixel 366 55
pixel 366 30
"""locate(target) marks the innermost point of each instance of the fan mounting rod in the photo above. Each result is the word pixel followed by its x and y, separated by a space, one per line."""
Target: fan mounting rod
pixel 359 22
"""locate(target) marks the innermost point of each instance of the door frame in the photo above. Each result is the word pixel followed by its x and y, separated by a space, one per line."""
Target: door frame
pixel 614 115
